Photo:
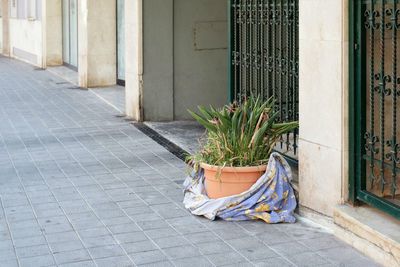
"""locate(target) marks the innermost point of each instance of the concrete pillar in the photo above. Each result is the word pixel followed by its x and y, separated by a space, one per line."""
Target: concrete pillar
pixel 323 107
pixel 97 42
pixel 158 55
pixel 6 27
pixel 133 59
pixel 52 23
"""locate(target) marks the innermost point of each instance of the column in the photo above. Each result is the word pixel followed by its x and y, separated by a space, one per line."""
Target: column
pixel 133 60
pixel 97 42
pixel 323 104
pixel 6 28
pixel 52 23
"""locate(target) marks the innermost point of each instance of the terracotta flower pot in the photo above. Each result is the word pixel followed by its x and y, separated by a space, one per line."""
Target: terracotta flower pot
pixel 228 181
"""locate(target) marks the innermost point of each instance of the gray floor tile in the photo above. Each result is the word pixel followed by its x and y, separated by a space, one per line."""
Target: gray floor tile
pixel 139 246
pixel 62 237
pixel 88 263
pixel 71 256
pixel 225 258
pixel 161 232
pixel 124 228
pixel 171 241
pixel 197 261
pixel 66 246
pixel 157 264
pixel 182 252
pixel 148 257
pixel 202 237
pixel 290 248
pixel 308 259
pixel 39 261
pixel 131 237
pixel 120 261
pixel 98 241
pixel 106 251
pixel 281 262
pixel 258 253
pixel 33 251
pixel 214 247
pixel 9 263
pixel 245 242
pixel 7 254
pixel 321 243
pixel 340 254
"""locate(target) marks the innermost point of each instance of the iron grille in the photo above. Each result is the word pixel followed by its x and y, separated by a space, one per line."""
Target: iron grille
pixel 377 96
pixel 264 57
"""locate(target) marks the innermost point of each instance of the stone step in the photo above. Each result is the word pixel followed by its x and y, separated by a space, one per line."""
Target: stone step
pixel 371 231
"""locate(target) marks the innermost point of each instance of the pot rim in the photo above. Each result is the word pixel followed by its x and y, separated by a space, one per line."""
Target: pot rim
pixel 259 168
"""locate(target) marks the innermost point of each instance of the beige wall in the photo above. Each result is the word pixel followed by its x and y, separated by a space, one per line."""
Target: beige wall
pixel 97 42
pixel 1 34
pixel 38 42
pixel 134 61
pixel 5 28
pixel 52 19
pixel 323 81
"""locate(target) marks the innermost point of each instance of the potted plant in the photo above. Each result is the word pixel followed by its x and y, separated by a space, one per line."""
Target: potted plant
pixel 239 141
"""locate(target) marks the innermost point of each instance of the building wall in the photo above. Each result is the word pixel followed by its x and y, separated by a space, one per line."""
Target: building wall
pixel 1 33
pixel 184 56
pixel 323 153
pixel 158 61
pixel 133 59
pixel 200 55
pixel 97 43
pixel 53 34
pixel 26 40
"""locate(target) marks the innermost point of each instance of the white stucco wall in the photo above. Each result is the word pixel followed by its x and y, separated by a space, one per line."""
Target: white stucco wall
pixel 26 40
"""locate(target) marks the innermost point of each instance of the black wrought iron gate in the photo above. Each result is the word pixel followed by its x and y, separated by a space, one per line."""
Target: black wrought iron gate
pixel 264 56
pixel 374 100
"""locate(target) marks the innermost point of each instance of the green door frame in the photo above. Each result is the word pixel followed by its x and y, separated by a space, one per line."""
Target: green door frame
pixel 357 115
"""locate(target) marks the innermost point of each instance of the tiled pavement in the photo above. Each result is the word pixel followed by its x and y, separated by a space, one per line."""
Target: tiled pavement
pixel 113 95
pixel 82 187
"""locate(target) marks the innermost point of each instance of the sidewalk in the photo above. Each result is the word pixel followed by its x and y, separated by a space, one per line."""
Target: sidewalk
pixel 80 186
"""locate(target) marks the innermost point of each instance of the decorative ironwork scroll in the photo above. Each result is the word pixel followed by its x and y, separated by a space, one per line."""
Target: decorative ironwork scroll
pixel 264 57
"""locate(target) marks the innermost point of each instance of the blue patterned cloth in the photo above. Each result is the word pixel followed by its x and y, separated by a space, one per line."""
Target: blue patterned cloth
pixel 270 199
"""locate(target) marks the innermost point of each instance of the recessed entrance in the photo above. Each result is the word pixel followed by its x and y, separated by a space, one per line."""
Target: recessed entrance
pixel 70 33
pixel 374 104
pixel 120 42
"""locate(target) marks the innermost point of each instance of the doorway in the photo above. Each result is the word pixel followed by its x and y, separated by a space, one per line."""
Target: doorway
pixel 121 42
pixel 374 97
pixel 70 33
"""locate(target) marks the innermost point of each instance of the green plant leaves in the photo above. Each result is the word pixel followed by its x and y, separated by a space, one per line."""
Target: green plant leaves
pixel 240 135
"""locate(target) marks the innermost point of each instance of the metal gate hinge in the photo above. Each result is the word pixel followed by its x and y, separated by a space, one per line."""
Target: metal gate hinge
pixel 356 46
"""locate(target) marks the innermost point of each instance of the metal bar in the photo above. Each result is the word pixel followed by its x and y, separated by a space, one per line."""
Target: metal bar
pixel 380 203
pixel 393 143
pixel 287 56
pixel 370 136
pixel 295 70
pixel 382 90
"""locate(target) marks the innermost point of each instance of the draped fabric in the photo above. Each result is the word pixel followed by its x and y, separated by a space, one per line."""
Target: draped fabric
pixel 270 199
